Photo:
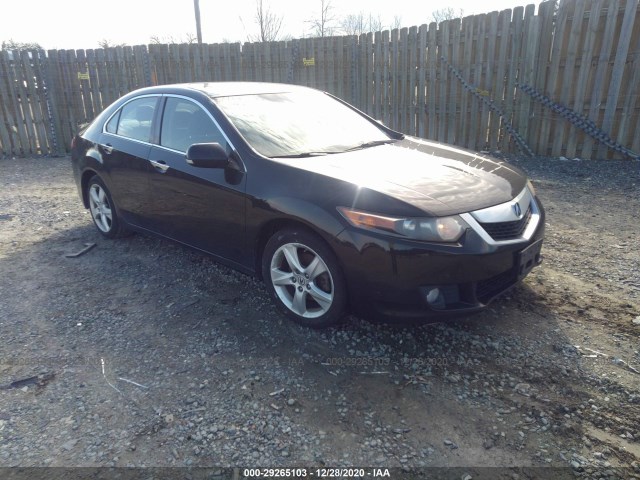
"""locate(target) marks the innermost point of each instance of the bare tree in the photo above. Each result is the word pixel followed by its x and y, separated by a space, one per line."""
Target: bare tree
pixel 13 45
pixel 170 39
pixel 268 22
pixel 447 13
pixel 322 26
pixel 106 43
pixel 397 22
pixel 357 24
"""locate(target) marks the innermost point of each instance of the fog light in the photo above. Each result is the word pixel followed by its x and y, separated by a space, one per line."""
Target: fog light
pixel 433 296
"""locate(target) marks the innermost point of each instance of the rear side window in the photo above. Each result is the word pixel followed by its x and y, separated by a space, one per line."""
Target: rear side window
pixel 134 119
pixel 185 123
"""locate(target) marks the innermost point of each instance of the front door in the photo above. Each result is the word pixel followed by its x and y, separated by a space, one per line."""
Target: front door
pixel 201 207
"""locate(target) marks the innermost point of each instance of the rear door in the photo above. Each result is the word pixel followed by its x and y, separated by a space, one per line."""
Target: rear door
pixel 124 145
pixel 201 207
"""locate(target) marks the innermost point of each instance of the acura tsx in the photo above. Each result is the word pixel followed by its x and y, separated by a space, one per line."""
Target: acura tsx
pixel 333 210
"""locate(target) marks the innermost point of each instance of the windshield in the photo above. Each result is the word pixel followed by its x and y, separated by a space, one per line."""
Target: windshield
pixel 300 124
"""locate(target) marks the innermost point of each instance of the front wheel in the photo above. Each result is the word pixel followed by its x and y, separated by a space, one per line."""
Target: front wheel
pixel 304 279
pixel 102 210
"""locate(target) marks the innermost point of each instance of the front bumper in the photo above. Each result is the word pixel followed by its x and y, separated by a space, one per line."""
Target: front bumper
pixel 393 277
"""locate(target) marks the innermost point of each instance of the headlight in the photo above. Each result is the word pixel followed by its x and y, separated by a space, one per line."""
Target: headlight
pixel 530 187
pixel 439 229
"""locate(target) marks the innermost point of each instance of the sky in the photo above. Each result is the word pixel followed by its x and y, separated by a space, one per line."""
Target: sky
pixel 82 24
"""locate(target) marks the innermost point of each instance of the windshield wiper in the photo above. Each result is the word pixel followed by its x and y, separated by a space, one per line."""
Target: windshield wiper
pixel 303 155
pixel 374 143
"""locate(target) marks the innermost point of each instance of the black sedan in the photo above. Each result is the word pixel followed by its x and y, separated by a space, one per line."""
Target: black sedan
pixel 333 210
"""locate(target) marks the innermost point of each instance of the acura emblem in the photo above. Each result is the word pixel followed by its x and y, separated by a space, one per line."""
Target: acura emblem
pixel 517 210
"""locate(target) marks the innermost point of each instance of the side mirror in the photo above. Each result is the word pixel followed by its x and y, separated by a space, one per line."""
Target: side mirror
pixel 207 155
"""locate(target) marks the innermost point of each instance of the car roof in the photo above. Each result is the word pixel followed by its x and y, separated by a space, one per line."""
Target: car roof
pixel 227 89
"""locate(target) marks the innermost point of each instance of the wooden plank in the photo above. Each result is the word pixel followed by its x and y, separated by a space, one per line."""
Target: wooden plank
pixel 613 92
pixel 497 65
pixel 602 72
pixel 385 90
pixel 20 103
pixel 198 72
pixel 455 88
pixel 321 64
pixel 34 82
pixel 51 68
pixel 84 86
pixel 477 53
pixel 515 45
pixel 394 120
pixel 630 114
pixel 377 72
pixel 584 59
pixel 361 73
pixel 432 81
pixel 8 125
pixel 94 81
pixel 412 81
pixel 24 115
pixel 341 68
pixel 464 67
pixel 560 36
pixel 23 82
pixel 443 82
pixel 369 81
pixel 540 114
pixel 527 69
pixel 421 116
pixel 6 148
pixel 564 131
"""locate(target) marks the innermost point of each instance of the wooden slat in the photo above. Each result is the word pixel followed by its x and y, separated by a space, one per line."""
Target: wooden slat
pixel 8 125
pixel 455 88
pixel 443 81
pixel 386 75
pixel 432 82
pixel 14 85
pixel 527 70
pixel 394 52
pixel 584 59
pixel 539 112
pixel 603 70
pixel 36 102
pixel 630 114
pixel 515 46
pixel 613 92
pixel 498 65
pixel 560 38
pixel 464 67
pixel 568 80
pixel 54 89
pixel 412 81
pixel 421 116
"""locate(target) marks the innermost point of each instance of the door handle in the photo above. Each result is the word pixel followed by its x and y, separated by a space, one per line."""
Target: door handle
pixel 107 147
pixel 161 165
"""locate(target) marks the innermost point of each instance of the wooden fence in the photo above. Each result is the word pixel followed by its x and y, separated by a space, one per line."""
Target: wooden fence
pixel 584 56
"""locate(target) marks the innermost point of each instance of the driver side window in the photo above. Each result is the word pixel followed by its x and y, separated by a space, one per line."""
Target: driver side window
pixel 185 123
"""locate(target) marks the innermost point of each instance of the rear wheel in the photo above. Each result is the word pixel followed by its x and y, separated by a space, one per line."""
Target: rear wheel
pixel 304 278
pixel 102 209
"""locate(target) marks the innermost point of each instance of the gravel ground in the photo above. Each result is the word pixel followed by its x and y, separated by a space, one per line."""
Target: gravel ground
pixel 143 353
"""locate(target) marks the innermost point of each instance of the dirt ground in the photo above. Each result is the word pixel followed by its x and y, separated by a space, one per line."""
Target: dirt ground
pixel 143 353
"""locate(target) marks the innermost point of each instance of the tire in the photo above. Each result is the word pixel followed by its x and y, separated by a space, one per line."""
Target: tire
pixel 103 211
pixel 304 278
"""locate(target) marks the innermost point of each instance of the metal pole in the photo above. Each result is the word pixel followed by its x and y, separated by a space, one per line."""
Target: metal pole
pixel 196 7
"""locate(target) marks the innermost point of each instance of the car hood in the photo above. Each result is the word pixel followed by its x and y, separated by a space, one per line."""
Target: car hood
pixel 438 179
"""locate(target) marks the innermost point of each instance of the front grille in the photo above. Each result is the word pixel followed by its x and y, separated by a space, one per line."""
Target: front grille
pixel 508 230
pixel 489 288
